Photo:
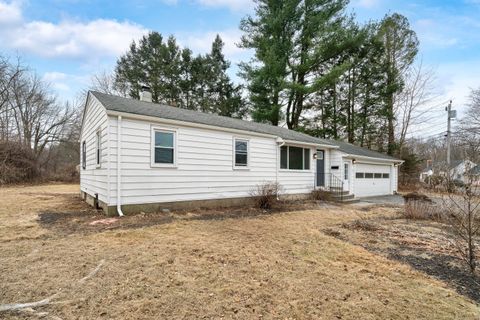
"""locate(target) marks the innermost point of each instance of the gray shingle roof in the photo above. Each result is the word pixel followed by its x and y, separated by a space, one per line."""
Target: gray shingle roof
pixel 133 106
pixel 359 151
pixel 120 104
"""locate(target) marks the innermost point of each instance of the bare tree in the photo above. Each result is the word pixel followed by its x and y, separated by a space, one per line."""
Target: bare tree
pixel 104 82
pixel 9 72
pixel 462 205
pixel 39 118
pixel 468 133
pixel 410 103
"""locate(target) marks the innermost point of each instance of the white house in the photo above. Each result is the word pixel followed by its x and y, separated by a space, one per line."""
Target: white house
pixel 142 156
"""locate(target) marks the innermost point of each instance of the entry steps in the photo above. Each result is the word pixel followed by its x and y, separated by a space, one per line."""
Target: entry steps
pixel 342 196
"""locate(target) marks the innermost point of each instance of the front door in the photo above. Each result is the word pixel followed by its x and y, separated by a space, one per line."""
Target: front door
pixel 346 176
pixel 320 168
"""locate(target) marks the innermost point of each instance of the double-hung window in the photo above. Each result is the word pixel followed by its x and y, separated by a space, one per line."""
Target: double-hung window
pixel 163 145
pixel 241 153
pixel 84 155
pixel 294 158
pixel 98 147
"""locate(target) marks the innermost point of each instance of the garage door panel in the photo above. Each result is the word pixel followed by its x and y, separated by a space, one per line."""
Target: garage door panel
pixel 375 181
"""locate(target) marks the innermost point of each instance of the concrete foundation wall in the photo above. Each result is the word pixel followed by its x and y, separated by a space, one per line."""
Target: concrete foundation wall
pixel 180 205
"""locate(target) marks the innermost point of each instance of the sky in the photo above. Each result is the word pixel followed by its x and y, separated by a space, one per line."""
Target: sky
pixel 68 41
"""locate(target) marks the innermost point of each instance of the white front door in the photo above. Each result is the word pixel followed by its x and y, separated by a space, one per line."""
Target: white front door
pixel 346 176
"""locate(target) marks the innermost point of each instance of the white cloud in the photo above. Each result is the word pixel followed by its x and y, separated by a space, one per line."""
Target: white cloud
pixel 10 13
pixel 234 5
pixel 68 38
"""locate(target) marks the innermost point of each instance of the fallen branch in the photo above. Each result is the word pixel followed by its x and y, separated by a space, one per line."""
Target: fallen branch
pixel 19 306
pixel 93 272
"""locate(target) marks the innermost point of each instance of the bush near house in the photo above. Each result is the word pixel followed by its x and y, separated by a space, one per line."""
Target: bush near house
pixel 266 194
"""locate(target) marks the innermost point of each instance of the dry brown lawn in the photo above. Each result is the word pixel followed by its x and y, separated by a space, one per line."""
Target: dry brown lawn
pixel 188 266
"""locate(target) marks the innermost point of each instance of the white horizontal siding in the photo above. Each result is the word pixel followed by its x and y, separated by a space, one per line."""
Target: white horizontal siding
pixel 94 179
pixel 204 166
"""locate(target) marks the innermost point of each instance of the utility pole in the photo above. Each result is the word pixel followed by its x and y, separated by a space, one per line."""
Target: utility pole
pixel 452 114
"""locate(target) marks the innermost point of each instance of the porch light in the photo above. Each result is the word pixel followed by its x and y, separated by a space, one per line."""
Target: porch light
pixel 354 160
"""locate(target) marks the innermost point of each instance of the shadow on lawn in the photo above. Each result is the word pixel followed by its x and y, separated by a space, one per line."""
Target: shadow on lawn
pixel 423 245
pixel 442 267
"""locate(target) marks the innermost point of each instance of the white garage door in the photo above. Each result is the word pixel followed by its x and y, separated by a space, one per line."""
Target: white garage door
pixel 372 180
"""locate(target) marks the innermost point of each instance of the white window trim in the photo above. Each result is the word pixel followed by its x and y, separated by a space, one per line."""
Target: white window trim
pixel 152 147
pixel 98 148
pixel 288 159
pixel 234 166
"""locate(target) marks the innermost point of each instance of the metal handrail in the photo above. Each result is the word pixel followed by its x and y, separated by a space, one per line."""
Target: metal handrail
pixel 335 185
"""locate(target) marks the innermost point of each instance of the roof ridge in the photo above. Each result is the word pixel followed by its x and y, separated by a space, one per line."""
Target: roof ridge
pixel 196 112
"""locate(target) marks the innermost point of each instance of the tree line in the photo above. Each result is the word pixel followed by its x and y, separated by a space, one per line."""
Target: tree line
pixel 314 70
pixel 38 133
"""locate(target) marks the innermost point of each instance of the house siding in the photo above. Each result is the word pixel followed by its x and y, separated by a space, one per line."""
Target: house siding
pixel 204 167
pixel 94 179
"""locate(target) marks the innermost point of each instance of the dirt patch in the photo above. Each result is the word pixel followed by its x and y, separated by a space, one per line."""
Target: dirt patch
pixel 80 220
pixel 424 245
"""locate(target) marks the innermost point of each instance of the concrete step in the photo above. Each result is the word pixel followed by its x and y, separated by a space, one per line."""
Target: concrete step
pixel 338 197
pixel 349 201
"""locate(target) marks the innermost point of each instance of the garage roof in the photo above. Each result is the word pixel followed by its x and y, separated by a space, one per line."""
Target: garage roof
pixel 363 152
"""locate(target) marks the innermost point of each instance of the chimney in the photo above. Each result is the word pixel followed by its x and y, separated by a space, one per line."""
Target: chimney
pixel 145 94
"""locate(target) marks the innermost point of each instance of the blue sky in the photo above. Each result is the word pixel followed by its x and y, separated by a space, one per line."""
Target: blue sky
pixel 67 41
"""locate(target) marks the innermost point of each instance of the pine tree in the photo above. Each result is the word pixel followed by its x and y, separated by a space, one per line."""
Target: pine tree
pixel 178 78
pixel 400 49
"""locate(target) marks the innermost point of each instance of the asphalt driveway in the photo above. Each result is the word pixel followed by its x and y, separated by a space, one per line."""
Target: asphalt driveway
pixel 396 200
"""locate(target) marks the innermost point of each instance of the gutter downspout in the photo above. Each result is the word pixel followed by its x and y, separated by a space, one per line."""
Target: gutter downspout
pixel 280 142
pixel 119 175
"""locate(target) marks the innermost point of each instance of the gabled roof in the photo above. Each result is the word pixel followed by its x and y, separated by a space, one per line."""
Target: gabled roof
pixel 475 170
pixel 133 106
pixel 359 151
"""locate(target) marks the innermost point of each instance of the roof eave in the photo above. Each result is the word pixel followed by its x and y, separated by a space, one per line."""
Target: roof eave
pixel 354 156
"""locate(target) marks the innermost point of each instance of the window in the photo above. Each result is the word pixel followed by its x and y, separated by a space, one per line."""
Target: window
pixel 319 154
pixel 163 147
pixel 306 159
pixel 345 171
pixel 98 147
pixel 359 175
pixel 386 176
pixel 378 175
pixel 84 155
pixel 368 175
pixel 284 157
pixel 294 158
pixel 241 153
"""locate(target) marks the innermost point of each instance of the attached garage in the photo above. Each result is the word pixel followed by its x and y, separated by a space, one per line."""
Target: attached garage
pixel 374 179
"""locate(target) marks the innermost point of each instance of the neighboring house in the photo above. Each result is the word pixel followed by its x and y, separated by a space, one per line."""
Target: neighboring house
pixel 426 173
pixel 142 156
pixel 458 170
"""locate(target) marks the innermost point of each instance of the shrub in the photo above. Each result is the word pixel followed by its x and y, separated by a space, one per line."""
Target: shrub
pixel 17 164
pixel 266 194
pixel 420 207
pixel 321 195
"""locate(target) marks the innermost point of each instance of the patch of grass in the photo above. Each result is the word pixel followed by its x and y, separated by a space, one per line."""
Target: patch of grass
pixel 268 266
